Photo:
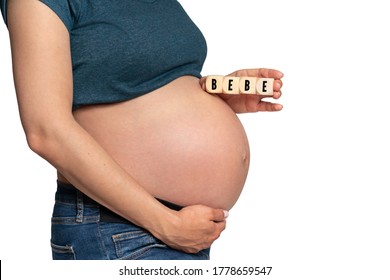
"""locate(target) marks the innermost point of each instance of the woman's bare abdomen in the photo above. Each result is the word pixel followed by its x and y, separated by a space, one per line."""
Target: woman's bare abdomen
pixel 180 143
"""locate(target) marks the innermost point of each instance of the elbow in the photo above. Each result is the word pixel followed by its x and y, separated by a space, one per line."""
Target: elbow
pixel 46 132
pixel 49 140
pixel 43 140
pixel 45 146
pixel 38 143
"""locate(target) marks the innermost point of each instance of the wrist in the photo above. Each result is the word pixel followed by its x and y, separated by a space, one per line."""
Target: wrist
pixel 161 222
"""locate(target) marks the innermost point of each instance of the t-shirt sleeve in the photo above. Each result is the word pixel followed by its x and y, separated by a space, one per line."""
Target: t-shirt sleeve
pixel 64 9
pixel 3 4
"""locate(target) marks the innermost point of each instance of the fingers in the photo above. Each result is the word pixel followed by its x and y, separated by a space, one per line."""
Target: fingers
pixel 259 72
pixel 268 106
pixel 200 227
pixel 208 240
pixel 270 73
pixel 278 85
pixel 220 226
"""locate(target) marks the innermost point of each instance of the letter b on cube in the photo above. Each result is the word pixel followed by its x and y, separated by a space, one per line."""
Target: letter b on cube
pixel 214 84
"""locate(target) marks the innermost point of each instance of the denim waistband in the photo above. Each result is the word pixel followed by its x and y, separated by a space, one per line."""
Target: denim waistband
pixel 67 193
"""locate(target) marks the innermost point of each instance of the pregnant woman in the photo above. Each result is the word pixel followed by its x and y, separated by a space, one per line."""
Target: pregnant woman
pixel 110 93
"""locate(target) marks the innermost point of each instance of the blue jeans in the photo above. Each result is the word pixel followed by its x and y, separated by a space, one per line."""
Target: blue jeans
pixel 78 232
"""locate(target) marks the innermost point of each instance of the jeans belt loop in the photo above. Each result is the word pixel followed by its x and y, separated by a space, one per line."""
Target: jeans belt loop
pixel 80 207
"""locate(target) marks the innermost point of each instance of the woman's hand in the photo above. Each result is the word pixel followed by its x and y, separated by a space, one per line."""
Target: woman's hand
pixel 248 103
pixel 194 228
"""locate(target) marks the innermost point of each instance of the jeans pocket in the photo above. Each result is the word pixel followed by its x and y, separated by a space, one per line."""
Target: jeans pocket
pixel 62 252
pixel 133 245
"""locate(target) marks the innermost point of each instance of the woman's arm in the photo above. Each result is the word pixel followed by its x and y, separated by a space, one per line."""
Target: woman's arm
pixel 247 103
pixel 43 80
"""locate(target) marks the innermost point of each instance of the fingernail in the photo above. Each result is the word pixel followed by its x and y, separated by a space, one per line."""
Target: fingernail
pixel 226 213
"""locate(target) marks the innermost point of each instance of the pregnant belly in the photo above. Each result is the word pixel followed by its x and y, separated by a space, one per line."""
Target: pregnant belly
pixel 180 143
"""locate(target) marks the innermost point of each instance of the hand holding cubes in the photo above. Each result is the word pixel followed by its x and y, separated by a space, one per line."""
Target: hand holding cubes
pixel 239 85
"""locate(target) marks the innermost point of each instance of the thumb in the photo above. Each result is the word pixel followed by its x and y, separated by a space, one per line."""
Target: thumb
pixel 202 82
pixel 220 215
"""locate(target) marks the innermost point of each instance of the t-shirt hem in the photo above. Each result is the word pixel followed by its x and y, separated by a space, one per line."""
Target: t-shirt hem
pixel 134 95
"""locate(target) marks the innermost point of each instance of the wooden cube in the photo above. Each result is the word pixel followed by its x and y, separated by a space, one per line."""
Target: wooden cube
pixel 248 85
pixel 265 86
pixel 214 84
pixel 231 85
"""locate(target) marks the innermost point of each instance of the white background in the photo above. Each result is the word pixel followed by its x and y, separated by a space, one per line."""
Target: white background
pixel 316 202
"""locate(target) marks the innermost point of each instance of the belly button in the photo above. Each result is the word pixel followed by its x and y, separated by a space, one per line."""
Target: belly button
pixel 245 158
